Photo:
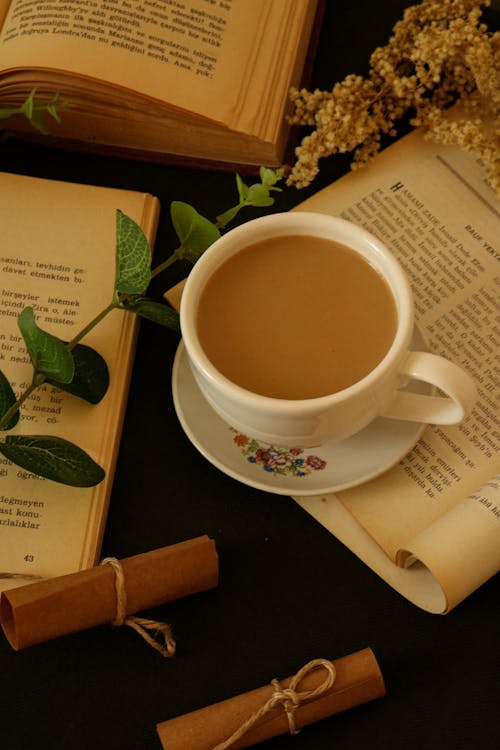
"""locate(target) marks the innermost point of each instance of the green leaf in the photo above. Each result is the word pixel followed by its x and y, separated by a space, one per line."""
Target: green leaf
pixel 7 399
pixel 52 110
pixel 39 122
pixel 258 195
pixel 242 189
pixel 269 177
pixel 27 107
pixel 49 354
pixel 154 311
pixel 194 231
pixel 91 379
pixel 6 112
pixel 34 111
pixel 133 256
pixel 224 218
pixel 37 119
pixel 53 458
pixel 53 105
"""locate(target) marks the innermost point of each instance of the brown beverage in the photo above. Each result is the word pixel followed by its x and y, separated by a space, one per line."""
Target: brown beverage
pixel 296 317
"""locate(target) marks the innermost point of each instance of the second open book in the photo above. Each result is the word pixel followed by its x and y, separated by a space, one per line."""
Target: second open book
pixel 58 257
pixel 430 526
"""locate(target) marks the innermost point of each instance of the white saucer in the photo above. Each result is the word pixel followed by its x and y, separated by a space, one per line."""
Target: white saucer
pixel 311 471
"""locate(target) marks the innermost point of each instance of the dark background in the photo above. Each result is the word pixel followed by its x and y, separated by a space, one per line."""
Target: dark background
pixel 289 591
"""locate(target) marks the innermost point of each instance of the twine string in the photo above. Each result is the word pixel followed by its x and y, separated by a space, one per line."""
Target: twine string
pixel 140 624
pixel 289 698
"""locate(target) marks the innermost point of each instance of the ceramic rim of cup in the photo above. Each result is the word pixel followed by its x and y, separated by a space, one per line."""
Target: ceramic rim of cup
pixel 306 223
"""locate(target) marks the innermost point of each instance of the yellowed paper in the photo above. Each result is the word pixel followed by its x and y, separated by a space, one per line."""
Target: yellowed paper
pixel 167 48
pixel 58 256
pixel 433 208
pixel 4 7
pixel 231 63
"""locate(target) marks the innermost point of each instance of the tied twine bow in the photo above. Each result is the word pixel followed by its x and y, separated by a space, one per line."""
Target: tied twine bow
pixel 140 624
pixel 290 698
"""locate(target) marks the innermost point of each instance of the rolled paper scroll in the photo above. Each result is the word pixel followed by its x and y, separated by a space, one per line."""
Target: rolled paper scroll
pixel 66 604
pixel 320 689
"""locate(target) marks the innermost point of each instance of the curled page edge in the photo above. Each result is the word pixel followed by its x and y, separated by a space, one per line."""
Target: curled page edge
pixel 436 574
pixel 417 583
pixel 461 548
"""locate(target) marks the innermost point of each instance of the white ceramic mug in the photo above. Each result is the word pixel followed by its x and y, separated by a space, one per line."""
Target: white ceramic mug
pixel 314 421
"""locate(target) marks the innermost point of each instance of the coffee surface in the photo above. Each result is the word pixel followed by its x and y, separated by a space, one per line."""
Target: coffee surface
pixel 296 317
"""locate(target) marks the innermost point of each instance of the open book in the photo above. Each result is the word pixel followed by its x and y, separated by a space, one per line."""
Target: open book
pixel 192 81
pixel 430 526
pixel 58 256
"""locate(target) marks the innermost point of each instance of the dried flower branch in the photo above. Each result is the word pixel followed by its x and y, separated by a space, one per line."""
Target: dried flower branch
pixel 439 54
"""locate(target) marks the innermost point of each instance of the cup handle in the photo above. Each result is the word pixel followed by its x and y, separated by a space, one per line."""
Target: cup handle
pixel 458 387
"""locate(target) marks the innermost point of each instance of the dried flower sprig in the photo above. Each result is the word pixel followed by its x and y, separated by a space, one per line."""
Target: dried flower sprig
pixel 439 54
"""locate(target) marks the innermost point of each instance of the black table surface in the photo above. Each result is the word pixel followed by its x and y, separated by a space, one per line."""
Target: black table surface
pixel 289 591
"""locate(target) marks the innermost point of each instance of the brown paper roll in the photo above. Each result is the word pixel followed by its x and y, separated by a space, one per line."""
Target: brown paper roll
pixel 67 604
pixel 358 680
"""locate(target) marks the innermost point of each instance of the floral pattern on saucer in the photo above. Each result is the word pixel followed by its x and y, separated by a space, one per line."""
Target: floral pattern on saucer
pixel 279 461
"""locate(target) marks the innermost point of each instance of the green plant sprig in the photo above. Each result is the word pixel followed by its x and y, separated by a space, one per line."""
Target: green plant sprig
pixel 35 110
pixel 196 233
pixel 80 370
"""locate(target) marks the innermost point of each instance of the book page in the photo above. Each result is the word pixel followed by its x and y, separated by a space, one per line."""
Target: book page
pixel 279 63
pixel 416 583
pixel 58 256
pixel 197 56
pixel 433 207
pixel 4 7
pixel 474 525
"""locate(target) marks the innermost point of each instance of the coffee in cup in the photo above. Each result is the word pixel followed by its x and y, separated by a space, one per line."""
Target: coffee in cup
pixel 322 319
pixel 298 326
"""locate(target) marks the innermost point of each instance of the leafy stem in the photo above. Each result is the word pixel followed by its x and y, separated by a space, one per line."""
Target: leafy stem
pixel 35 110
pixel 14 409
pixel 176 255
pixel 80 370
pixel 79 336
pixel 256 195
